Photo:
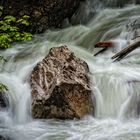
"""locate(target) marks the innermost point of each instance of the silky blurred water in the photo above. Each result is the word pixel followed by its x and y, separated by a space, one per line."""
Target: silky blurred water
pixel 115 84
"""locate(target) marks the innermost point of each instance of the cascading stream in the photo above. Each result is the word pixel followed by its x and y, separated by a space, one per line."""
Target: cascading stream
pixel 115 84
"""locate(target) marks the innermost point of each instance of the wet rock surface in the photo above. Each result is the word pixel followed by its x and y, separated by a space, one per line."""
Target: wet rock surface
pixel 43 13
pixel 2 138
pixel 61 86
pixel 3 105
pixel 3 100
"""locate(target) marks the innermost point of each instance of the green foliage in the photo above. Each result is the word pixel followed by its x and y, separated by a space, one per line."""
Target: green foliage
pixel 3 59
pixel 10 30
pixel 3 88
pixel 1 9
pixel 24 20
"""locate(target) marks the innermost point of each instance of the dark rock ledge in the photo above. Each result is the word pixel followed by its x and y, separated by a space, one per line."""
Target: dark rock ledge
pixel 43 14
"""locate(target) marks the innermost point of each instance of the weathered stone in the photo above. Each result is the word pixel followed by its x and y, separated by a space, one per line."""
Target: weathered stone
pixel 61 86
pixel 52 11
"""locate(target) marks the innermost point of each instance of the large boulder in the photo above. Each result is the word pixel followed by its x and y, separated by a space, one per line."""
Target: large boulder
pixel 61 86
pixel 43 13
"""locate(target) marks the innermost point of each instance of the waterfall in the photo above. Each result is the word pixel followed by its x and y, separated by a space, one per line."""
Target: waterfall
pixel 114 84
pixel 90 8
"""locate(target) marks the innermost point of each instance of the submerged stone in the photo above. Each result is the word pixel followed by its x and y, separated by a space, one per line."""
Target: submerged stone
pixel 61 86
pixel 4 138
pixel 3 100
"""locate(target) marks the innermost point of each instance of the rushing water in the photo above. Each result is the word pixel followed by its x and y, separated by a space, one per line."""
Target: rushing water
pixel 115 84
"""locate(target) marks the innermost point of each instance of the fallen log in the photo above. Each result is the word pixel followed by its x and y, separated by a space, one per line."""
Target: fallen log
pixel 120 55
pixel 105 45
pixel 101 51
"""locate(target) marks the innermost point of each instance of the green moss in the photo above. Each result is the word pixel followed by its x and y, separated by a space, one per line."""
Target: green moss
pixel 3 87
